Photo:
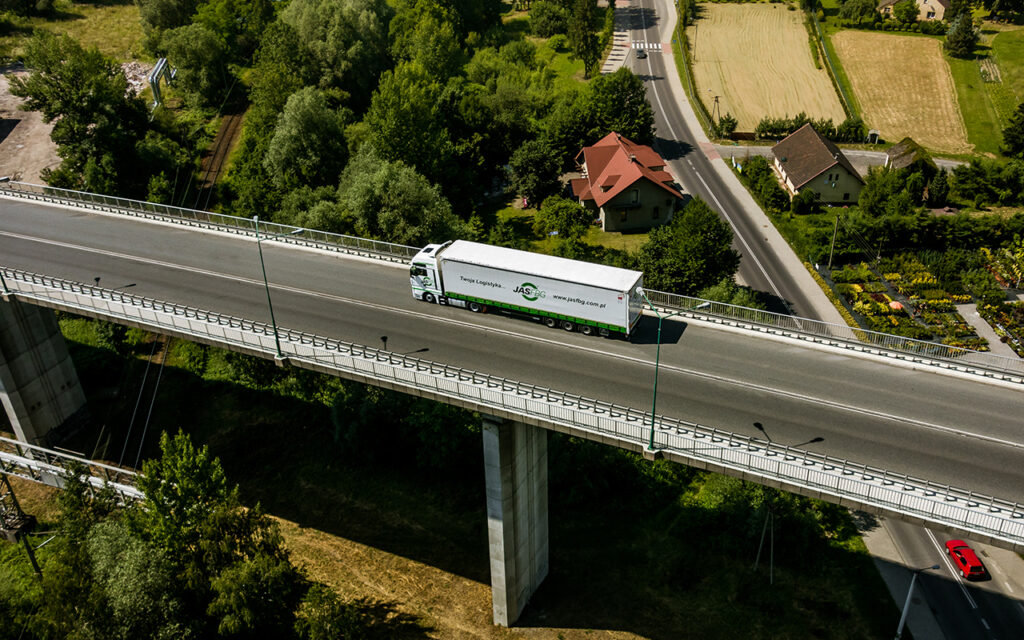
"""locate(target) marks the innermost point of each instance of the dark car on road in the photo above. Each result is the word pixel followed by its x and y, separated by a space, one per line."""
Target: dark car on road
pixel 641 54
pixel 966 560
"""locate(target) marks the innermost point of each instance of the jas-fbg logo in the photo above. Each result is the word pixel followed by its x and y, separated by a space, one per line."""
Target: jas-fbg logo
pixel 529 291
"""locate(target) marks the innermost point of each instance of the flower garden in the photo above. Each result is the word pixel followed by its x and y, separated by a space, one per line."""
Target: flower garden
pixel 1007 319
pixel 904 298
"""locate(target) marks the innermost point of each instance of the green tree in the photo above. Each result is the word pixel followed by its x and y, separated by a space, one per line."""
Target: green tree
pixel 962 36
pixel 391 201
pixel 406 123
pixel 571 124
pixel 347 40
pixel 880 186
pixel 308 146
pixel 726 125
pixel 584 42
pixel 138 583
pixel 548 18
pixel 1013 134
pixel 257 598
pixel 200 57
pixel 859 12
pixel 533 170
pixel 565 217
pixel 905 11
pixel 958 8
pixel 727 291
pixel 620 104
pixel 238 23
pixel 425 32
pixel 804 202
pixel 96 120
pixel 693 251
pixel 161 15
pixel 323 616
pixel 938 190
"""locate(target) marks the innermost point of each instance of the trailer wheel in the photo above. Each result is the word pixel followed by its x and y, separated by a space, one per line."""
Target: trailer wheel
pixel 604 333
pixel 550 323
pixel 568 326
pixel 429 297
pixel 476 307
pixel 587 330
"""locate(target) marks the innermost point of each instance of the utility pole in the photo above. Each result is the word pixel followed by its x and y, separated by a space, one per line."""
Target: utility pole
pixel 835 231
pixel 14 524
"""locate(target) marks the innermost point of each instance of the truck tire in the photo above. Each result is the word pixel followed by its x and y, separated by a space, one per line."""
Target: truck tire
pixel 476 307
pixel 568 326
pixel 550 322
pixel 429 297
pixel 587 330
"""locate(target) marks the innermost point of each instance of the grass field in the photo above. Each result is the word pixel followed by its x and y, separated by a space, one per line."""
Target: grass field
pixel 911 94
pixel 114 29
pixel 757 59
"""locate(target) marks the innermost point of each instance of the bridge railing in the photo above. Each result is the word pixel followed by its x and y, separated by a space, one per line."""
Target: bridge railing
pixel 839 335
pixel 51 467
pixel 932 353
pixel 213 221
pixel 844 481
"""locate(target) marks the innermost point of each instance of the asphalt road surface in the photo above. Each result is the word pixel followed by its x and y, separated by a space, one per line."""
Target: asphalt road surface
pixel 947 429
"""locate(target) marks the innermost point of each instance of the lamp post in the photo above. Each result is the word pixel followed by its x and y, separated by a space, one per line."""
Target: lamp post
pixel 266 285
pixel 657 360
pixel 910 592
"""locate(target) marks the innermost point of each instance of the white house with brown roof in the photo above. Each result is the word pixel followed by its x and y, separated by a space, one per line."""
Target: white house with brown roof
pixel 926 9
pixel 626 184
pixel 806 160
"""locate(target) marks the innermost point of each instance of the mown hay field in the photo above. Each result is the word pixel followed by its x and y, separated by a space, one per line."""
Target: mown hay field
pixel 904 88
pixel 757 59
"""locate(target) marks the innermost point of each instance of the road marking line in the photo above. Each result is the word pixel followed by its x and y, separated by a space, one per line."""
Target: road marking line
pixel 952 569
pixel 430 316
pixel 750 252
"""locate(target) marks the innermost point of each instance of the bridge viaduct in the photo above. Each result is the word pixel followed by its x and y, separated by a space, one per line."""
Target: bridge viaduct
pixel 42 396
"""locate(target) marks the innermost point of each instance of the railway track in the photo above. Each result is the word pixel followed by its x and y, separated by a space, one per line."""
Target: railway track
pixel 213 162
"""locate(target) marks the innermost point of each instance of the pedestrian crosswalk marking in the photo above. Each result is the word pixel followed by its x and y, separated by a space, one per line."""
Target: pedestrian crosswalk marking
pixel 650 46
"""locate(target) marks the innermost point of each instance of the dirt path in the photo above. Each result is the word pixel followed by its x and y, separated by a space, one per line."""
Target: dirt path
pixel 25 145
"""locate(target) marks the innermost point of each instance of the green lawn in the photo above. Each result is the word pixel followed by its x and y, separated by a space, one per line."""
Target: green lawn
pixel 115 29
pixel 984 130
pixel 1008 50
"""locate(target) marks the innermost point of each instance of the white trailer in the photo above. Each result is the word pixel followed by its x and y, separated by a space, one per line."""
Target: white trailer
pixel 574 295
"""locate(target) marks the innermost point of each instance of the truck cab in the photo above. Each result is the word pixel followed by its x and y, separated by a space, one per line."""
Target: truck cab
pixel 425 274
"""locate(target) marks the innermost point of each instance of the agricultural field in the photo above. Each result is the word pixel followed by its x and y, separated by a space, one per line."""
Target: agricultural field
pixel 756 57
pixel 904 88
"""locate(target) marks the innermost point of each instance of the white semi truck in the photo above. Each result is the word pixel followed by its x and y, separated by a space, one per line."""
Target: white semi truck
pixel 573 295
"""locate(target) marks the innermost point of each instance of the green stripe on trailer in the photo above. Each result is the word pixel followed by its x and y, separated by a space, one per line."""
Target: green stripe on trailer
pixel 514 307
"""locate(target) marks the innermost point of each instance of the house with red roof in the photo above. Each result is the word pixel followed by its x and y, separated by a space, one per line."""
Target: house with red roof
pixel 626 184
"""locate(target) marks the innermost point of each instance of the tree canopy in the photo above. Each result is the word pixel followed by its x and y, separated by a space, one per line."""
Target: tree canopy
pixel 1013 134
pixel 693 251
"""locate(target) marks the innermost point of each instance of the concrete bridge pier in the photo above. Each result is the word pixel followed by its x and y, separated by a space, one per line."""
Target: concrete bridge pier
pixel 516 470
pixel 39 386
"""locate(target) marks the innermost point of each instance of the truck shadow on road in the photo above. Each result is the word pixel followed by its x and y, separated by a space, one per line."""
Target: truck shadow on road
pixel 646 331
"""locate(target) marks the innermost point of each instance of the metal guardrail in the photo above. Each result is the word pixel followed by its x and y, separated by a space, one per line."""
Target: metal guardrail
pixel 51 467
pixel 841 335
pixel 842 480
pixel 212 221
pixel 883 344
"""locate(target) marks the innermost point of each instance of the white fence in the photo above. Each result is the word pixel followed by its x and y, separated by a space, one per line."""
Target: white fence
pixel 835 479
